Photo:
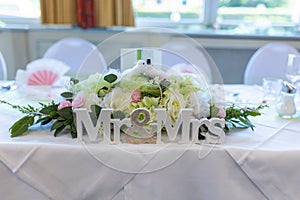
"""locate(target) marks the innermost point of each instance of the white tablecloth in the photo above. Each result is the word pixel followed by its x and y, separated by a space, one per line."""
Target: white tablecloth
pixel 262 164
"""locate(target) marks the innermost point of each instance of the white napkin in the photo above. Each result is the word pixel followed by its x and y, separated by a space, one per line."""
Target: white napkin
pixel 41 76
pixel 43 71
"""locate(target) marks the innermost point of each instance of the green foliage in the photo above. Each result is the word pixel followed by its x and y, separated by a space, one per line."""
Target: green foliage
pixel 237 117
pixel 214 111
pixel 67 95
pixel 118 115
pixel 74 81
pixel 44 115
pixel 164 85
pixel 21 126
pixel 22 109
pixel 110 78
pixel 150 90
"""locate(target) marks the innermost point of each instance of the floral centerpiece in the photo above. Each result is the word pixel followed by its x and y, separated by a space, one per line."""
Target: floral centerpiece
pixel 142 86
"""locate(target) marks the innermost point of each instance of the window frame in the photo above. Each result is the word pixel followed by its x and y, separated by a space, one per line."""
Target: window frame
pixel 274 24
pixel 208 19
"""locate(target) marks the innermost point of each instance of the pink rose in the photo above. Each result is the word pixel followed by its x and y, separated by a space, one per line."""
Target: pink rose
pixel 78 101
pixel 187 71
pixel 64 104
pixel 221 112
pixel 136 96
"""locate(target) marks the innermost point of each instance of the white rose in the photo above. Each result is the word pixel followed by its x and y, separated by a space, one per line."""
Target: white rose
pixel 91 99
pixel 120 99
pixel 199 104
pixel 175 104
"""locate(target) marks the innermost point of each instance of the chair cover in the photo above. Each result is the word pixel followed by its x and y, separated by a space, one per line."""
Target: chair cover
pixel 80 55
pixel 3 68
pixel 180 54
pixel 268 61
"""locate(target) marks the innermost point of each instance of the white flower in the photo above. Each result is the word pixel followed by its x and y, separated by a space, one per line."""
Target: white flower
pixel 118 99
pixel 175 103
pixel 90 85
pixel 199 104
pixel 91 99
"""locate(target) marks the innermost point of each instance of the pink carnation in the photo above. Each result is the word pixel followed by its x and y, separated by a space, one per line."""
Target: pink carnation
pixel 64 104
pixel 136 96
pixel 222 112
pixel 78 101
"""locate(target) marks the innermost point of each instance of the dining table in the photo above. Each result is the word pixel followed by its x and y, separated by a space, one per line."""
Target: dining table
pixel 262 163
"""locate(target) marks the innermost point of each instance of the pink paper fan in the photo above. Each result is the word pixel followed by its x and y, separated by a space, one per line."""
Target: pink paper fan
pixel 42 77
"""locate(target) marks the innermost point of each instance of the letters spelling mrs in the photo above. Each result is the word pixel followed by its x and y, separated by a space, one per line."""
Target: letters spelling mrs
pixel 189 126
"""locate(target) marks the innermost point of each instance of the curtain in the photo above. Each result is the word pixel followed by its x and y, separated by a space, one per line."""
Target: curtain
pixel 87 13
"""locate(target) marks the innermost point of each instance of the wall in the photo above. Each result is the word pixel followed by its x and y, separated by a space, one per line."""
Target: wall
pixel 230 53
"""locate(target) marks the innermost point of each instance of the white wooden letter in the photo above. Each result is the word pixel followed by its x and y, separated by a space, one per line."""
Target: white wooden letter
pixel 83 119
pixel 215 133
pixel 183 119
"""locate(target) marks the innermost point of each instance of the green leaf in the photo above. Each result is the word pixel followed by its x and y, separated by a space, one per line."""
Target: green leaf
pixel 243 121
pixel 251 112
pixel 150 90
pixel 48 109
pixel 164 84
pixel 73 134
pixel 65 112
pixel 21 126
pixel 74 81
pixel 31 108
pixel 43 120
pixel 239 125
pixel 94 114
pixel 58 130
pixel 214 111
pixel 110 78
pixel 53 114
pixel 115 85
pixel 96 110
pixel 73 130
pixel 57 124
pixel 68 121
pixel 250 124
pixel 67 95
pixel 118 115
pixel 61 119
pixel 46 121
pixel 73 127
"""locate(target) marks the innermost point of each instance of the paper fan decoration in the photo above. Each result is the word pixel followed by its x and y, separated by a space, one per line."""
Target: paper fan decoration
pixel 43 71
pixel 42 77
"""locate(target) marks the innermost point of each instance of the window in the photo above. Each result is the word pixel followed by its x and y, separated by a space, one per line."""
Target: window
pixel 241 15
pixel 262 14
pixel 18 11
pixel 168 13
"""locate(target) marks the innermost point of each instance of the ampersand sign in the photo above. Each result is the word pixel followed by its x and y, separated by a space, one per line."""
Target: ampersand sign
pixel 139 118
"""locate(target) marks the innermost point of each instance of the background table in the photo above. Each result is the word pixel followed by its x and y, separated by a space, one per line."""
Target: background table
pixel 262 164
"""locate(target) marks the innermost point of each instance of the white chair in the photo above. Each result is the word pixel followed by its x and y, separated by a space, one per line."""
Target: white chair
pixel 268 61
pixel 80 55
pixel 3 68
pixel 182 53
